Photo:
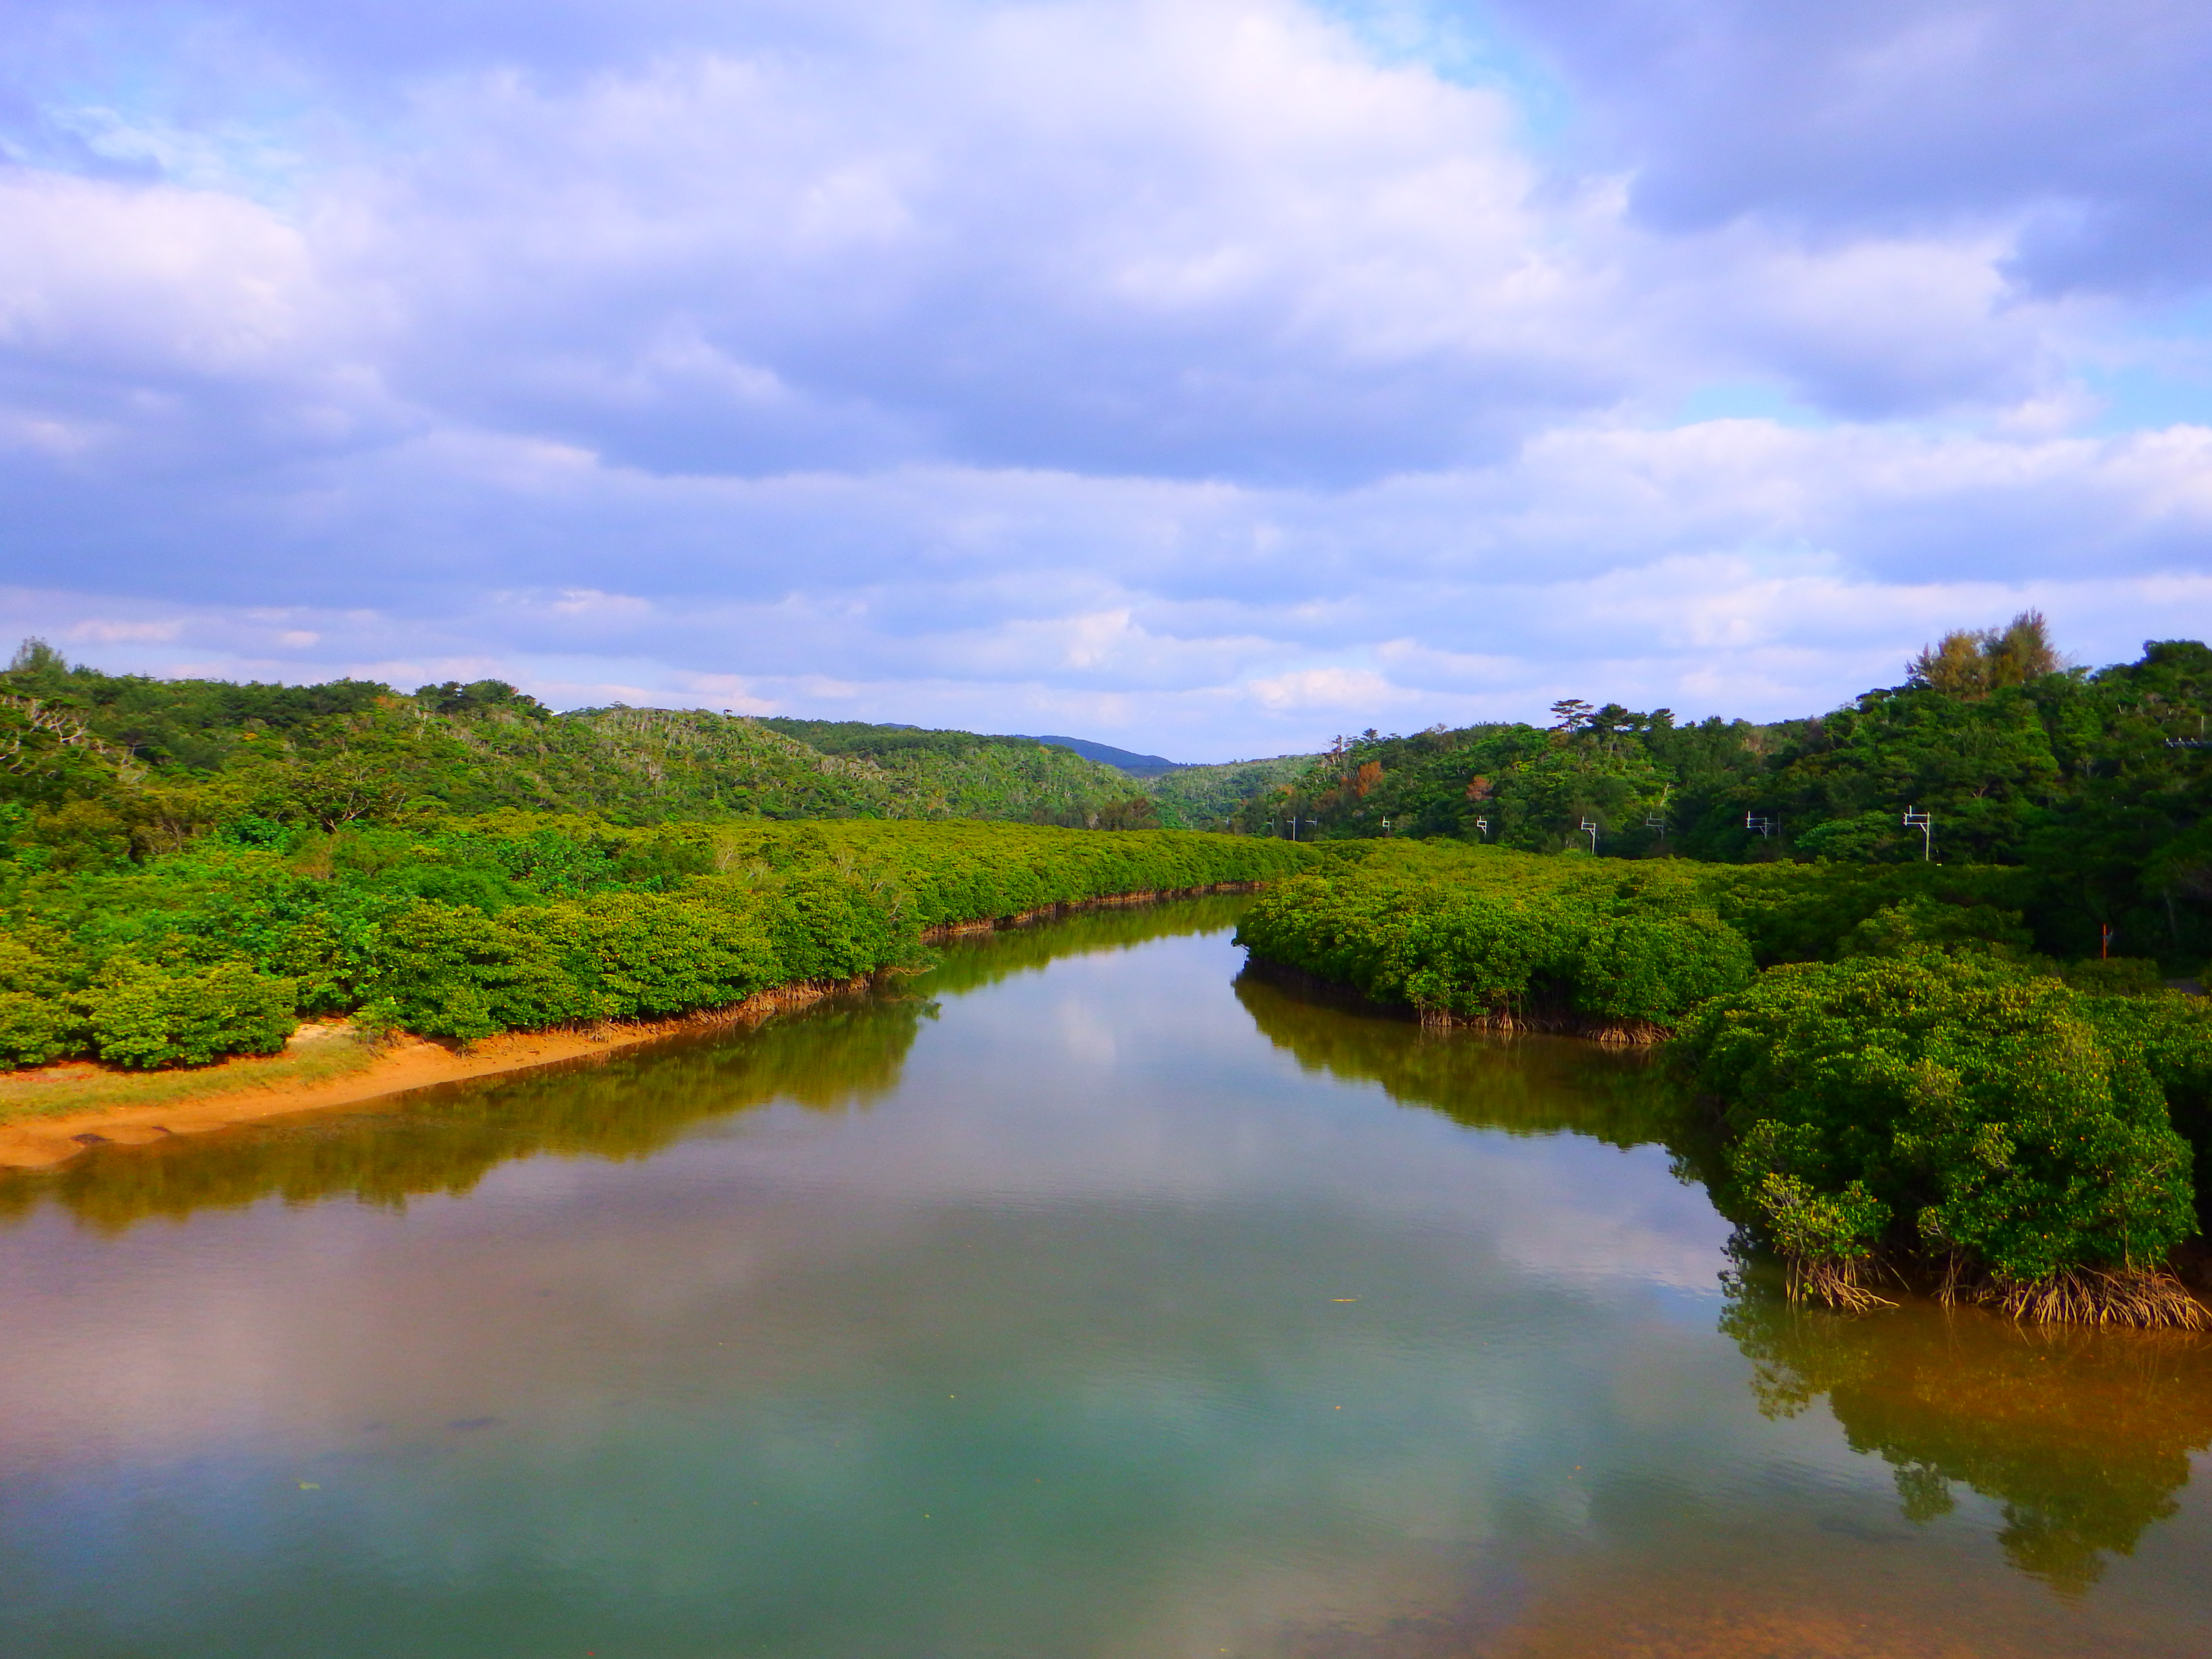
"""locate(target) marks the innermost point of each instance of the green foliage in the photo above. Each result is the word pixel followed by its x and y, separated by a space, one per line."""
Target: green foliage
pixel 1956 1102
pixel 1488 934
pixel 884 743
pixel 34 1029
pixel 1806 1225
pixel 1212 796
pixel 2170 1036
pixel 1637 965
pixel 461 927
pixel 1918 922
pixel 2119 976
pixel 39 1019
pixel 146 763
pixel 2095 786
pixel 1923 1091
pixel 143 1015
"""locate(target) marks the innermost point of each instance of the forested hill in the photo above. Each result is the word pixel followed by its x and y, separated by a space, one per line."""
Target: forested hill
pixel 2102 781
pixel 1175 796
pixel 97 764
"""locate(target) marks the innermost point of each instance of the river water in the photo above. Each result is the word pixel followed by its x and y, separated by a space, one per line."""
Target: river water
pixel 1080 1300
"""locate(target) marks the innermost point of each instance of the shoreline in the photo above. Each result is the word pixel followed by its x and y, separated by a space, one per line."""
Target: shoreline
pixel 1633 1034
pixel 50 1139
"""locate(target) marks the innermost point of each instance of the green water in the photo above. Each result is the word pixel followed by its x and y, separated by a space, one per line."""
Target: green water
pixel 1081 1299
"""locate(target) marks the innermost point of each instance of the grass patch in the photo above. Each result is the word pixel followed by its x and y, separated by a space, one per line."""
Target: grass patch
pixel 59 1090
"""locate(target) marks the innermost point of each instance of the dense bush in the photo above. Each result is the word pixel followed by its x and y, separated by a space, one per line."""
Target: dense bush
pixel 2090 790
pixel 1657 967
pixel 1953 1105
pixel 39 1020
pixel 464 927
pixel 1929 1091
pixel 2169 1034
pixel 143 1015
pixel 1506 938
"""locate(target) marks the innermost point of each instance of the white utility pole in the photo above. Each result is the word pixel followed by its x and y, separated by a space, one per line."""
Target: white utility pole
pixel 1925 823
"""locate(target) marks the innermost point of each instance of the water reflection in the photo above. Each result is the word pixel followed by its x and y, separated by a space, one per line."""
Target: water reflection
pixel 1067 1303
pixel 1531 1085
pixel 630 1104
pixel 446 1139
pixel 2083 1438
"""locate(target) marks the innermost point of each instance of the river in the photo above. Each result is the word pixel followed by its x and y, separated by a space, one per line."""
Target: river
pixel 1084 1298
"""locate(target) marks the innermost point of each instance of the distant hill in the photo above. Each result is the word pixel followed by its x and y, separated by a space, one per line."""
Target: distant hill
pixel 1210 796
pixel 1136 765
pixel 125 758
pixel 1184 796
pixel 93 765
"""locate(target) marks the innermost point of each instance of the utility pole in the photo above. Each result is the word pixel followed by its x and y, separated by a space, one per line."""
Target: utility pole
pixel 1589 827
pixel 1766 826
pixel 1925 823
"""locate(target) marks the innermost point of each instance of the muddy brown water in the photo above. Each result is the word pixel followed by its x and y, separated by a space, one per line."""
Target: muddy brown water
pixel 1082 1299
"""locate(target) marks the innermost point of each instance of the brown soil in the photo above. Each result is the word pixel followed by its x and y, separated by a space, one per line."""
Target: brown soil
pixel 262 1089
pixel 39 1129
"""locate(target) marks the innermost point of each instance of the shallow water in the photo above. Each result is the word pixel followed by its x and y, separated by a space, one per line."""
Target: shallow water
pixel 1081 1299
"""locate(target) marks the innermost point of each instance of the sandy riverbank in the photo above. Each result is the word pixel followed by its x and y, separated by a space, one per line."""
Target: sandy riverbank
pixel 53 1113
pixel 325 1066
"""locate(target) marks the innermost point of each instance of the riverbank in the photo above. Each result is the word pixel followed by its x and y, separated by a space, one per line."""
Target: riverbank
pixel 50 1115
pixel 340 1068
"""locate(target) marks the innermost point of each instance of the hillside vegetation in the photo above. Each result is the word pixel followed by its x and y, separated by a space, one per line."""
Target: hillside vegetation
pixel 2098 781
pixel 189 867
pixel 1210 796
pixel 98 766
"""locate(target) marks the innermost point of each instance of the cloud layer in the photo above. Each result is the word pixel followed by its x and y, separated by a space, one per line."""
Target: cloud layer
pixel 1194 373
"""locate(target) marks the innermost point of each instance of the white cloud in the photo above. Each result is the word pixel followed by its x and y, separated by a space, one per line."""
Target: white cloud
pixel 1180 368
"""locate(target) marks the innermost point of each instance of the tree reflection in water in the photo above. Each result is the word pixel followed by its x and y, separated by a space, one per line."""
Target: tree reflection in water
pixel 629 1105
pixel 2082 1437
pixel 446 1140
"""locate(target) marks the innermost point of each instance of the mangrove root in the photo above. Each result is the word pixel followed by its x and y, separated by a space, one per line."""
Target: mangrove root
pixel 1834 1281
pixel 2149 1298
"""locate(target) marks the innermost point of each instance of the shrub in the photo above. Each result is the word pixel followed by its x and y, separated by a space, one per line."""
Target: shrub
pixel 34 1030
pixel 145 1015
pixel 1950 1104
pixel 459 928
pixel 1483 955
pixel 1657 967
pixel 1484 934
pixel 2121 977
pixel 1918 921
pixel 2169 1034
pixel 451 971
pixel 39 1022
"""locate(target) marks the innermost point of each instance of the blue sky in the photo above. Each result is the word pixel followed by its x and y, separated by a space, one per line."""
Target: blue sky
pixel 1206 377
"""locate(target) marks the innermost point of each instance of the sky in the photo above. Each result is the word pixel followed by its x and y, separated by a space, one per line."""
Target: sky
pixel 1203 376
